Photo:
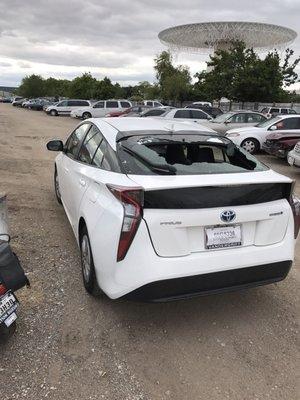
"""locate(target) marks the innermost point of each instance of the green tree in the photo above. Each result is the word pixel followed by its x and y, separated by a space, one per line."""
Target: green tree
pixel 82 87
pixel 239 74
pixel 32 86
pixel 104 89
pixel 174 82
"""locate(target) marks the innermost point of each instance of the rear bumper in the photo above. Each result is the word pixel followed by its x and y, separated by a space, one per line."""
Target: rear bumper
pixel 212 283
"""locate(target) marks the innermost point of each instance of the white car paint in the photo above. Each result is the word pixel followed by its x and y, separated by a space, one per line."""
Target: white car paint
pixel 162 249
pixel 240 136
pixel 189 114
pixel 101 108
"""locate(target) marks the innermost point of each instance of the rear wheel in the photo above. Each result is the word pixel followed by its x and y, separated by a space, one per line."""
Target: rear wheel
pixel 56 187
pixel 86 115
pixel 54 113
pixel 250 145
pixel 87 264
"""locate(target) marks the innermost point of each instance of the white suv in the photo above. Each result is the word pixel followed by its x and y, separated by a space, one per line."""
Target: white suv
pixel 101 108
pixel 152 103
pixel 270 112
pixel 166 210
pixel 65 107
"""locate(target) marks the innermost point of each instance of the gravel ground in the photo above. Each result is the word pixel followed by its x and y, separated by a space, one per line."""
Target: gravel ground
pixel 68 345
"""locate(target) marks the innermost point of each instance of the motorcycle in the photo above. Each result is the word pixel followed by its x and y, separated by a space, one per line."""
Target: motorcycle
pixel 12 277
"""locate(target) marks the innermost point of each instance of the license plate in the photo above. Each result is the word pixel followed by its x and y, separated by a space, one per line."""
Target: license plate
pixel 8 305
pixel 223 236
pixel 291 160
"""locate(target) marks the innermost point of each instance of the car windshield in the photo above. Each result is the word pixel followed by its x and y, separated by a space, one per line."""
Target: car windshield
pixel 265 124
pixel 183 153
pixel 222 117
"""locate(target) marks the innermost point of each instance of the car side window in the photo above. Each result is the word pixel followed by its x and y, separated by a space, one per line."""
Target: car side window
pixel 255 118
pixel 239 118
pixel 125 104
pixel 100 104
pixel 182 114
pixel 74 142
pixel 291 111
pixel 284 111
pixel 105 158
pixel 90 145
pixel 149 103
pixel 63 104
pixel 198 114
pixel 274 110
pixel 291 123
pixel 112 104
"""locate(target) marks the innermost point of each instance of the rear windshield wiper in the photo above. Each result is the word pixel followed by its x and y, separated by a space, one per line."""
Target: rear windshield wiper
pixel 160 168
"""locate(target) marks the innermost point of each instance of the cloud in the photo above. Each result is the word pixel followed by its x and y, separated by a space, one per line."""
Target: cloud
pixel 115 37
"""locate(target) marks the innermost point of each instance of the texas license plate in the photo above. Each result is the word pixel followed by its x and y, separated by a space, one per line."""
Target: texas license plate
pixel 217 237
pixel 8 305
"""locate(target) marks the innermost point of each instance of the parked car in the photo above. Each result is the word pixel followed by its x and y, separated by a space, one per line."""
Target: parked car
pixel 101 108
pixel 235 119
pixel 293 156
pixel 270 112
pixel 155 112
pixel 65 107
pixel 12 277
pixel 6 100
pixel 202 103
pixel 212 111
pixel 252 139
pixel 279 144
pixel 152 103
pixel 39 105
pixel 18 101
pixel 186 114
pixel 131 111
pixel 163 211
pixel 26 102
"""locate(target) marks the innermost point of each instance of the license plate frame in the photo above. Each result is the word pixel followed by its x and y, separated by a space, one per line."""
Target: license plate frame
pixel 9 301
pixel 226 244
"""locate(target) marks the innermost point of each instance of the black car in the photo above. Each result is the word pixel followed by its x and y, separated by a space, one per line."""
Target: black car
pixel 39 105
pixel 212 111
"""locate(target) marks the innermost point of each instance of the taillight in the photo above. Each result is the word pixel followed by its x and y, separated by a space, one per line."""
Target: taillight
pixel 2 289
pixel 295 205
pixel 132 200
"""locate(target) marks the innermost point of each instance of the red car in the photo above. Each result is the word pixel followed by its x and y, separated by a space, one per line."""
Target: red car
pixel 279 144
pixel 135 111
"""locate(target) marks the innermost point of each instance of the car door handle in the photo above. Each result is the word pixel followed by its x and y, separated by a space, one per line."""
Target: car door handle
pixel 82 182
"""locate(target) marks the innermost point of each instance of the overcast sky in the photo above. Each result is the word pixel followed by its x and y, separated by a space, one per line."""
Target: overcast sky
pixel 114 38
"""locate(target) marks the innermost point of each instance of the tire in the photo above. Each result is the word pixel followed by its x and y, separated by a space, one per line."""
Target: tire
pixel 86 115
pixel 53 113
pixel 56 187
pixel 251 145
pixel 87 264
pixel 7 332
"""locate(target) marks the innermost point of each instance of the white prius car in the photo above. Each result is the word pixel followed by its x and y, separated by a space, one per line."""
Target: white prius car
pixel 163 211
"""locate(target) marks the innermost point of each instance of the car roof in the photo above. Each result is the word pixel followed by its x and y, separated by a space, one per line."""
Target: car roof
pixel 110 127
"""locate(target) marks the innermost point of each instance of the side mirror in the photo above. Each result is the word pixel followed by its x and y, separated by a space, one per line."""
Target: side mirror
pixel 55 145
pixel 227 121
pixel 273 128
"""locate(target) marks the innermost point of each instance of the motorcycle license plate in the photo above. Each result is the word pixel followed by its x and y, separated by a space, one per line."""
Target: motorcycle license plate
pixel 8 305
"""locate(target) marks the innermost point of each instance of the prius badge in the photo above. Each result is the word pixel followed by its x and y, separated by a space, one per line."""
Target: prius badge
pixel 228 216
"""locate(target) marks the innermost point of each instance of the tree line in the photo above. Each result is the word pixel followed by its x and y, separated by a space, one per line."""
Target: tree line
pixel 239 75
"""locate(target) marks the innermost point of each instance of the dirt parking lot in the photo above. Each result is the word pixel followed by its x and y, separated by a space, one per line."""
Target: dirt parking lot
pixel 70 346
